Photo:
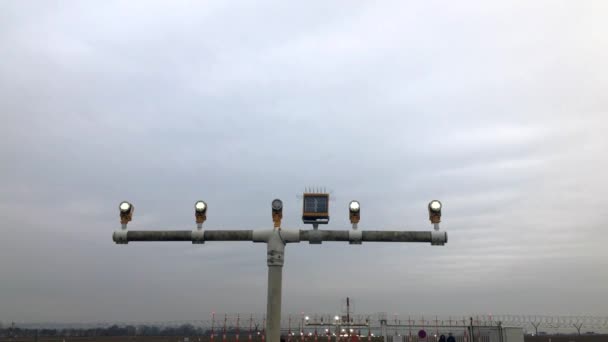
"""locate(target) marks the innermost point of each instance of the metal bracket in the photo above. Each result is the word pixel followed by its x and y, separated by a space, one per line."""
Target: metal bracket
pixel 354 237
pixel 275 249
pixel 198 236
pixel 438 238
pixel 275 258
pixel 315 237
pixel 120 237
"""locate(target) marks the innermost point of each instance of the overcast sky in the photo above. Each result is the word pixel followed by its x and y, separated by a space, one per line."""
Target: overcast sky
pixel 499 110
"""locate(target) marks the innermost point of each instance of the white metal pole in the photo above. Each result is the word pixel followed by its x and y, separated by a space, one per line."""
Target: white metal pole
pixel 273 323
pixel 275 259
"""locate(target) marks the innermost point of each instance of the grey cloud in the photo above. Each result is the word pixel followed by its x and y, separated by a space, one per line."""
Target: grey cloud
pixel 497 110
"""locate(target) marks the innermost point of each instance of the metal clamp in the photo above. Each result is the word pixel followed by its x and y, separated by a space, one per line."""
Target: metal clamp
pixel 438 238
pixel 355 237
pixel 315 237
pixel 198 236
pixel 275 249
pixel 275 258
pixel 120 237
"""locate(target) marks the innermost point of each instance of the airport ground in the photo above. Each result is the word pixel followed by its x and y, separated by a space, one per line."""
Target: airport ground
pixel 545 338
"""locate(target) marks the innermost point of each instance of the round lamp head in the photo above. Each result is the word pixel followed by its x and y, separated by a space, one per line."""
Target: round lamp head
pixel 126 212
pixel 435 206
pixel 125 207
pixel 200 206
pixel 277 205
pixel 354 206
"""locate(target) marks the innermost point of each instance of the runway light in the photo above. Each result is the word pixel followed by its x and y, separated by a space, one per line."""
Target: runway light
pixel 125 207
pixel 126 212
pixel 277 212
pixel 435 211
pixel 200 211
pixel 200 206
pixel 354 206
pixel 435 206
pixel 354 209
pixel 277 204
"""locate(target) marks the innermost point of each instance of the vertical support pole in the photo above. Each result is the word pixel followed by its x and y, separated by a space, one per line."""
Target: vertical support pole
pixel 250 339
pixel 238 318
pixel 348 317
pixel 224 334
pixel 273 324
pixel 276 251
pixel 212 325
pixel 383 329
pixel 471 328
pixel 500 332
pixel 409 323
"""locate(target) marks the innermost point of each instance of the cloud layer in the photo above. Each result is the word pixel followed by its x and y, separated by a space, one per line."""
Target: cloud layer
pixel 498 110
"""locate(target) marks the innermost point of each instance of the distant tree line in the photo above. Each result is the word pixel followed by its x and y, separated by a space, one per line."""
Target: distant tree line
pixel 114 330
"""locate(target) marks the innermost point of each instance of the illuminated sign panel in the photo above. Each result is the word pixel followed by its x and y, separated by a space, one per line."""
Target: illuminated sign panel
pixel 315 208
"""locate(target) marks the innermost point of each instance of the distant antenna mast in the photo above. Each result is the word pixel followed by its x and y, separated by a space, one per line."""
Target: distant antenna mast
pixel 348 309
pixel 238 318
pixel 225 321
pixel 212 325
pixel 250 327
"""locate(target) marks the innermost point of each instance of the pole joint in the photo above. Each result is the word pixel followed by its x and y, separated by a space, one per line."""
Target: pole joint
pixel 438 238
pixel 198 235
pixel 275 249
pixel 355 237
pixel 120 236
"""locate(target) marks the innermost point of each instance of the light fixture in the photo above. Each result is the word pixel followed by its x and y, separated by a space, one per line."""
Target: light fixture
pixel 126 212
pixel 277 204
pixel 125 207
pixel 307 318
pixel 354 206
pixel 354 209
pixel 435 211
pixel 200 212
pixel 435 206
pixel 315 208
pixel 337 318
pixel 277 212
pixel 200 206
